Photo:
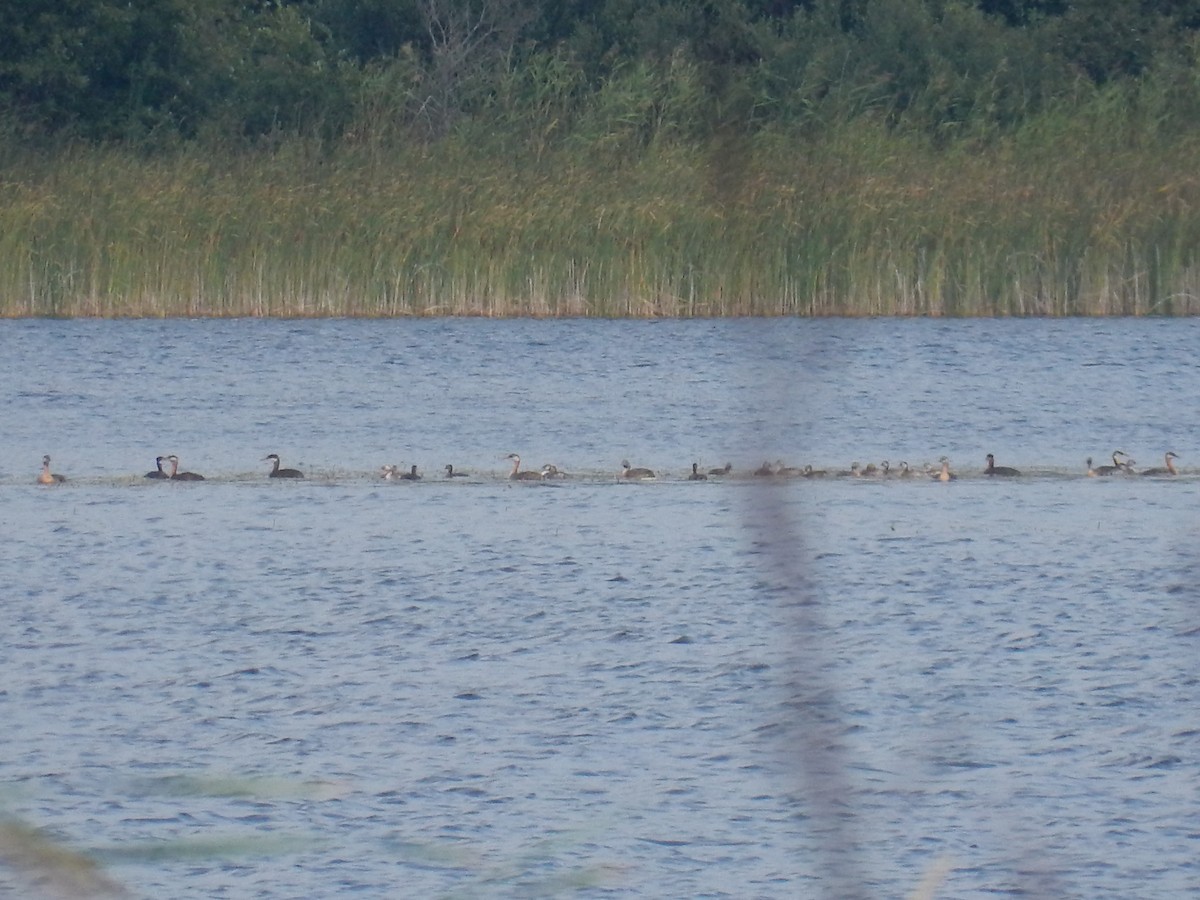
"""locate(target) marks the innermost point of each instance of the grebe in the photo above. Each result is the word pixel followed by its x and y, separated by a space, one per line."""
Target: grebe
pixel 904 470
pixel 551 471
pixel 869 471
pixel 786 471
pixel 277 472
pixel 411 475
pixel 1117 467
pixel 176 475
pixel 1168 469
pixel 633 474
pixel 810 472
pixel 764 470
pixel 158 472
pixel 724 470
pixel 993 469
pixel 389 472
pixel 517 475
pixel 945 474
pixel 450 473
pixel 697 475
pixel 48 477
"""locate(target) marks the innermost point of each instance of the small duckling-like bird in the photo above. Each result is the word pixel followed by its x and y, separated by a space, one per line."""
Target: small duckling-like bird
pixel 993 469
pixel 697 475
pixel 517 474
pixel 176 475
pixel 724 470
pixel 945 474
pixel 48 477
pixel 158 471
pixel 631 473
pixel 450 473
pixel 277 472
pixel 1167 469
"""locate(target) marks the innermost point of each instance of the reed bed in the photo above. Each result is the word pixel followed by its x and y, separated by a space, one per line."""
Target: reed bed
pixel 1088 219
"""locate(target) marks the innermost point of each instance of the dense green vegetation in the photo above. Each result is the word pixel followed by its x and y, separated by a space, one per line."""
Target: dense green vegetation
pixel 599 157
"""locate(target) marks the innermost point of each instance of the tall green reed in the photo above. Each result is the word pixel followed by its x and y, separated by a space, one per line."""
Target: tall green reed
pixel 1082 213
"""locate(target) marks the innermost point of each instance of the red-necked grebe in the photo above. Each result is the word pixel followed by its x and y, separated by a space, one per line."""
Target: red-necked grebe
pixel 1168 468
pixel 993 469
pixel 517 475
pixel 450 473
pixel 411 475
pixel 1118 466
pixel 550 471
pixel 724 470
pixel 697 475
pixel 810 472
pixel 277 472
pixel 176 475
pixel 635 474
pixel 158 471
pixel 945 474
pixel 48 477
pixel 765 470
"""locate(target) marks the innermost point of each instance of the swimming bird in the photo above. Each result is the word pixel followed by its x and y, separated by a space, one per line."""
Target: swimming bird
pixel 1091 473
pixel 1117 467
pixel 550 471
pixel 724 470
pixel 277 472
pixel 450 473
pixel 810 472
pixel 389 472
pixel 1167 469
pixel 176 475
pixel 764 470
pixel 904 471
pixel 786 471
pixel 48 477
pixel 697 475
pixel 158 471
pixel 517 475
pixel 411 475
pixel 869 470
pixel 945 474
pixel 634 474
pixel 993 469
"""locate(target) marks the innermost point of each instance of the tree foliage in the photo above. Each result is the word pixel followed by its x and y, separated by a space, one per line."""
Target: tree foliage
pixel 606 70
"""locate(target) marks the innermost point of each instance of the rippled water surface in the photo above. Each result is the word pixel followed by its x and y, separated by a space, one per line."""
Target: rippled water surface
pixel 738 687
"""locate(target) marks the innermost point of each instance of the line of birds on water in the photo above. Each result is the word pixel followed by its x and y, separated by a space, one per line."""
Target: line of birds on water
pixel 1122 464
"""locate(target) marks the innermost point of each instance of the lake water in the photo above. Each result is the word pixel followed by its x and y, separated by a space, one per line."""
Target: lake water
pixel 740 687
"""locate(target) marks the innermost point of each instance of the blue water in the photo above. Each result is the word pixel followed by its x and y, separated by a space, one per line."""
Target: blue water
pixel 740 687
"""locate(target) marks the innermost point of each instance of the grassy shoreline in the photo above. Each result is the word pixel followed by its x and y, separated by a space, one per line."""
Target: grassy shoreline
pixel 1089 216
